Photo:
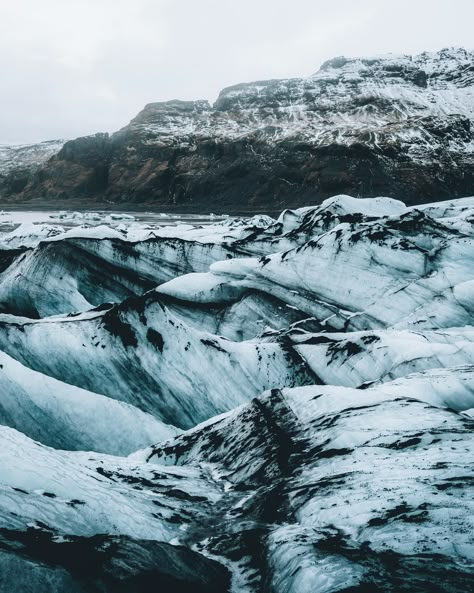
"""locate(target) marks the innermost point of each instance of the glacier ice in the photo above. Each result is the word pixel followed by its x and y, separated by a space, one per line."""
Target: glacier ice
pixel 281 405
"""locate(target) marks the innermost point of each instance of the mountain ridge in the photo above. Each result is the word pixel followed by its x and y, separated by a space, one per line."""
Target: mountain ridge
pixel 400 126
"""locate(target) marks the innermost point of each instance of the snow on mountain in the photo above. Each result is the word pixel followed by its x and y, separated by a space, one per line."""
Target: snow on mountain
pixel 345 98
pixel 320 364
pixel 400 126
pixel 27 156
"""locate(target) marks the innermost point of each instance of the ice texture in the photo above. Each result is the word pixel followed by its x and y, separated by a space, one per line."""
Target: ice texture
pixel 260 404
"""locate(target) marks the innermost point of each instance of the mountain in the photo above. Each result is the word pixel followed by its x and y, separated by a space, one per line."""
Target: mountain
pixel 399 126
pixel 255 405
pixel 19 162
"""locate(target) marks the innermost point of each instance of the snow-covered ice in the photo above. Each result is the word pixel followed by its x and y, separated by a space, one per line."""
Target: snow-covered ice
pixel 280 404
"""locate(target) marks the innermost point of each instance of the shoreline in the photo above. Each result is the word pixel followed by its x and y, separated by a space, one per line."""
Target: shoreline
pixel 131 208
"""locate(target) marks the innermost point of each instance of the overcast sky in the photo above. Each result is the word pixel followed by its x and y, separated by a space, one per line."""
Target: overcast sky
pixel 75 67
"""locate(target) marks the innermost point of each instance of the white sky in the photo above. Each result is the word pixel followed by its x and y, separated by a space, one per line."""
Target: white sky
pixel 75 67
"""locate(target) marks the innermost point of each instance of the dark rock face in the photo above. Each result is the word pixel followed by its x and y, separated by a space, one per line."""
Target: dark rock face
pixel 399 126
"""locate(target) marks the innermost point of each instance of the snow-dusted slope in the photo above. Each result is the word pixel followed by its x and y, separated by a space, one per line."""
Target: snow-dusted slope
pixel 19 163
pixel 27 156
pixel 366 99
pixel 387 125
pixel 321 365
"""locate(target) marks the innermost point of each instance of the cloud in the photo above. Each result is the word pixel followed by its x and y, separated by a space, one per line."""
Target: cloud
pixel 74 67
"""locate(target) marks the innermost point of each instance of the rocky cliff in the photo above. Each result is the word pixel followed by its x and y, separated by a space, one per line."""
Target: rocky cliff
pixel 399 126
pixel 19 162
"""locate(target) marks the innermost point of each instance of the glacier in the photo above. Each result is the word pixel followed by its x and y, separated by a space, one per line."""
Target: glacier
pixel 281 405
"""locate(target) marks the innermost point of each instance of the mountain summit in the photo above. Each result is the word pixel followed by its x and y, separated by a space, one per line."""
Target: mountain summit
pixel 392 125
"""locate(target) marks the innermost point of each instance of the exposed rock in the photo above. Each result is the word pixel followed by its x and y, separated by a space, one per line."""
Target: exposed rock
pixel 399 126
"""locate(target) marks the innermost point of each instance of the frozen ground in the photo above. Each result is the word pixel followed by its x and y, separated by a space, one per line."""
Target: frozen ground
pixel 248 405
pixel 72 218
